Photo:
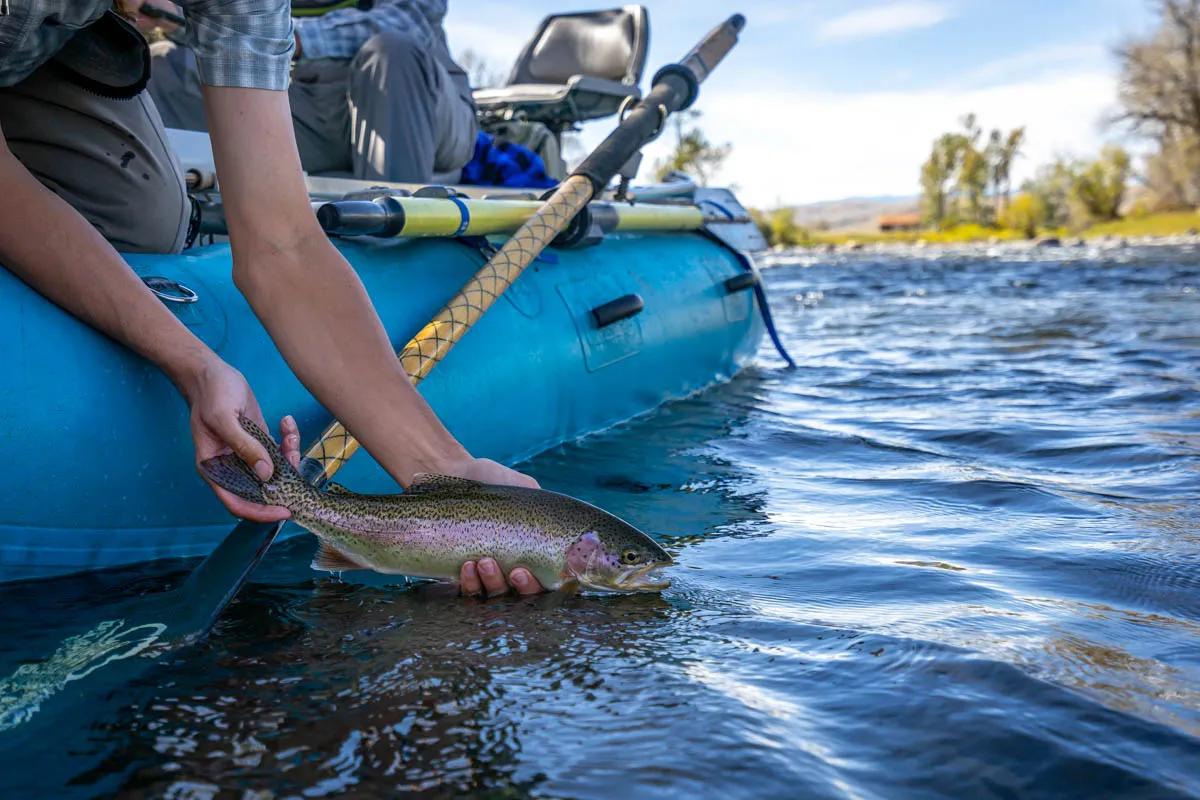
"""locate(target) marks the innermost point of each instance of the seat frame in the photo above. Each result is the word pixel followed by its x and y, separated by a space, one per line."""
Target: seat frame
pixel 561 107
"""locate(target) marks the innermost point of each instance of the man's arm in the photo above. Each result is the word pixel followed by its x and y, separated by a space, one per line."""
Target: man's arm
pixel 312 302
pixel 318 312
pixel 51 247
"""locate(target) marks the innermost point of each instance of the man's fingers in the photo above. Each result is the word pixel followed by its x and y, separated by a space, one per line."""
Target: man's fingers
pixel 246 446
pixel 468 579
pixel 492 577
pixel 523 581
pixel 289 433
pixel 485 577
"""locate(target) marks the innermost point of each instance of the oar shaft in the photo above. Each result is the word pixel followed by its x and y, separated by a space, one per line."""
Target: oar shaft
pixel 436 339
pixel 413 217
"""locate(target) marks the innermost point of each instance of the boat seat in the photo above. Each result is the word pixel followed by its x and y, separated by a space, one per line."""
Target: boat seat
pixel 577 67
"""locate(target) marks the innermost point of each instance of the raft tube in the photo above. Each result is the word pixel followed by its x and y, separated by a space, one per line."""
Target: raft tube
pixel 94 442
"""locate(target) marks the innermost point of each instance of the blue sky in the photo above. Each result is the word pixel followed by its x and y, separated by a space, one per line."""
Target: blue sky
pixel 825 99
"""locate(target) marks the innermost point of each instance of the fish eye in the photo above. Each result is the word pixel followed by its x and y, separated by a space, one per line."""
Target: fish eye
pixel 629 557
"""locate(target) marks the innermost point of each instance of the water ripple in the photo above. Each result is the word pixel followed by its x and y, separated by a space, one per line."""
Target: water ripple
pixel 956 553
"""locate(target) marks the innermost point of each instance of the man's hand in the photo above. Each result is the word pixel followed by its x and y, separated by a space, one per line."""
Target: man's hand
pixel 132 10
pixel 484 578
pixel 218 395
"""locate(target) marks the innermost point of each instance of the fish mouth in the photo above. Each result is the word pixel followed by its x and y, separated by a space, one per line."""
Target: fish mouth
pixel 643 578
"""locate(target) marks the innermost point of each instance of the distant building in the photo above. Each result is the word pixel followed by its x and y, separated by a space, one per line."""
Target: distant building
pixel 900 222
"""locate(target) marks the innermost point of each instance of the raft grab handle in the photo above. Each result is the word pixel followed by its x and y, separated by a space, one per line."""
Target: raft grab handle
pixel 624 307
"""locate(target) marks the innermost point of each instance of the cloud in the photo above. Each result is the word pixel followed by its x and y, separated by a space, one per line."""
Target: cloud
pixel 881 20
pixel 1041 60
pixel 798 145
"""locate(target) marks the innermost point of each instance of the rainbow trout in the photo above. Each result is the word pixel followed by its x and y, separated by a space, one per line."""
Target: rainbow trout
pixel 440 522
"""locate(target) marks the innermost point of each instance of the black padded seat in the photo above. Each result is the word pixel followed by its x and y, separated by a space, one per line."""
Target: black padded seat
pixel 577 67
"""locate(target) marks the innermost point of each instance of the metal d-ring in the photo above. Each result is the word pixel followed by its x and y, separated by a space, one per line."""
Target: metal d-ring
pixel 628 103
pixel 170 291
pixel 623 109
pixel 662 120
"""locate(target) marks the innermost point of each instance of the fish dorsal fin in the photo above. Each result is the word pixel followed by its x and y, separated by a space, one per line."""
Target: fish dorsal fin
pixel 432 482
pixel 330 559
pixel 336 488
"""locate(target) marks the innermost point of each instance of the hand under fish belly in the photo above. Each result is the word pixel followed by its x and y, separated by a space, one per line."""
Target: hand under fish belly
pixel 441 521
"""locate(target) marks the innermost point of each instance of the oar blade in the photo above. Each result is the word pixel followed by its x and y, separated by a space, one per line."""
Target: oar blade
pixel 219 577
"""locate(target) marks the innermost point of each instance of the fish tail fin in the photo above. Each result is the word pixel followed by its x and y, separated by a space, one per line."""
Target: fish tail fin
pixel 231 473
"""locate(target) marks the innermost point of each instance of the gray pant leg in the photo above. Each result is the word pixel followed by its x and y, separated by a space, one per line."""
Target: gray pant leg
pixel 320 114
pixel 107 158
pixel 407 116
pixel 175 86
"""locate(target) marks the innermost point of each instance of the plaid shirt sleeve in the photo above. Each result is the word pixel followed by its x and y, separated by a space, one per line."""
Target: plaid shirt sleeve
pixel 340 34
pixel 242 43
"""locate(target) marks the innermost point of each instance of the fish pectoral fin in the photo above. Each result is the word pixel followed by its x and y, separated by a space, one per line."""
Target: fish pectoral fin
pixel 431 481
pixel 331 559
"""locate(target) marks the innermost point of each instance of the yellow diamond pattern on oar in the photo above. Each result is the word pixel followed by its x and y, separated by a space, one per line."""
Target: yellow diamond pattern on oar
pixel 435 340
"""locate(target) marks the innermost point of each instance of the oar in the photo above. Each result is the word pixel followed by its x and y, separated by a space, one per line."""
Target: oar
pixel 188 613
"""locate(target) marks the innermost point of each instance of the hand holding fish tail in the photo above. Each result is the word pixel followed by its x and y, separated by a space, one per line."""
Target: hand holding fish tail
pixel 219 396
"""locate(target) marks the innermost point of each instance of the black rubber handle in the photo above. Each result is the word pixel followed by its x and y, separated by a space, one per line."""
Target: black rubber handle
pixel 740 282
pixel 623 307
pixel 381 217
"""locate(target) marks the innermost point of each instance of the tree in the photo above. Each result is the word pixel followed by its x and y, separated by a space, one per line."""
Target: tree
pixel 779 227
pixel 1159 92
pixel 1002 151
pixel 972 177
pixel 1051 186
pixel 1077 193
pixel 1172 175
pixel 693 153
pixel 960 181
pixel 1026 213
pixel 1099 187
pixel 936 176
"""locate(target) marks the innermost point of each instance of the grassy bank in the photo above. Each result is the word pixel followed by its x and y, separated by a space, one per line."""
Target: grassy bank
pixel 1173 223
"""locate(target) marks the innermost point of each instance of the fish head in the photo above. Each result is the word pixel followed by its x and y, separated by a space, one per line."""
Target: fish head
pixel 614 556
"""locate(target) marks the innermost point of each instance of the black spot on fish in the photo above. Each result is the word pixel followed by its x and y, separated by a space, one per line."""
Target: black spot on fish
pixel 145 176
pixel 126 157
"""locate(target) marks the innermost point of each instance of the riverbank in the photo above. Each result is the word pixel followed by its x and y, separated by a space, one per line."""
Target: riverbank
pixel 1170 226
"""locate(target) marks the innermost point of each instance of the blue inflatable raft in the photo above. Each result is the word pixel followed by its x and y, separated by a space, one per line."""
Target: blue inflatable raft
pixel 98 463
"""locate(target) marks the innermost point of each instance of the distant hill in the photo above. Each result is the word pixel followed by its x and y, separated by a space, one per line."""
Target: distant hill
pixel 853 213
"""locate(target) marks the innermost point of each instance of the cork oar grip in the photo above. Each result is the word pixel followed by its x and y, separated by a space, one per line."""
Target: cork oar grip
pixel 432 343
pixel 436 339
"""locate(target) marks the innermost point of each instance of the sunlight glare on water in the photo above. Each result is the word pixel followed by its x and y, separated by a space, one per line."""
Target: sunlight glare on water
pixel 955 553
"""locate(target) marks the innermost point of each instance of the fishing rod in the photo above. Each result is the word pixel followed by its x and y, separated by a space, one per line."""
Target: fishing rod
pixel 88 661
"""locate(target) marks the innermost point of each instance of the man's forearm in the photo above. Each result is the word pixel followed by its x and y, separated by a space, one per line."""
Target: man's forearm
pixel 56 251
pixel 307 296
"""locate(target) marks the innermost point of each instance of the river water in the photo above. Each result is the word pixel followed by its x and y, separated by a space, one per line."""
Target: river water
pixel 955 554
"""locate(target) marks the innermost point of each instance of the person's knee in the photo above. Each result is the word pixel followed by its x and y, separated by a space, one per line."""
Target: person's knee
pixel 394 51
